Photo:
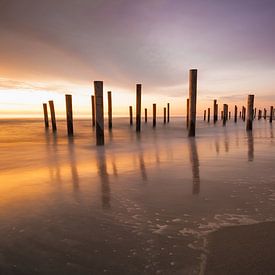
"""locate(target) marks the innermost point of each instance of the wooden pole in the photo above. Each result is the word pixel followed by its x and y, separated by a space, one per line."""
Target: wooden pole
pixel 235 113
pixel 215 108
pixel 250 112
pixel 208 115
pixel 265 112
pixel 240 114
pixel 145 113
pixel 222 115
pixel 259 114
pixel 168 112
pixel 69 113
pixel 98 86
pixel 52 115
pixel 204 115
pixel 255 113
pixel 225 113
pixel 193 102
pixel 187 112
pixel 164 115
pixel 271 114
pixel 138 107
pixel 93 110
pixel 229 115
pixel 46 119
pixel 131 115
pixel 154 114
pixel 110 115
pixel 244 113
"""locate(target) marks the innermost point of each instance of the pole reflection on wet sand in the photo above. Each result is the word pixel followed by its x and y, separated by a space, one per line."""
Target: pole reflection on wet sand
pixel 104 177
pixel 194 160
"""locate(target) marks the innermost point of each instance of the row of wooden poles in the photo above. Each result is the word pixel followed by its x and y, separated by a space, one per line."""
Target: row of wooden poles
pixel 98 114
pixel 226 115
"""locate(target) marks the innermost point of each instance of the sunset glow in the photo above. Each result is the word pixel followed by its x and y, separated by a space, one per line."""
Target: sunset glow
pixel 51 48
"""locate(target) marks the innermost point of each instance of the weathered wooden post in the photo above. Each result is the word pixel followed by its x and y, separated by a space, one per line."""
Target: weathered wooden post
pixel 145 113
pixel 168 112
pixel 131 115
pixel 69 114
pixel 208 115
pixel 215 108
pixel 193 102
pixel 93 110
pixel 235 113
pixel 154 114
pixel 243 113
pixel 204 115
pixel 98 86
pixel 229 116
pixel 271 114
pixel 52 115
pixel 187 112
pixel 265 113
pixel 259 114
pixel 222 115
pixel 110 115
pixel 46 119
pixel 164 115
pixel 225 113
pixel 250 112
pixel 138 107
pixel 255 113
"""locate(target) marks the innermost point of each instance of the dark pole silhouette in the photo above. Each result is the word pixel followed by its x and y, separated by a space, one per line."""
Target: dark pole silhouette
pixel 46 119
pixel 168 112
pixel 193 102
pixel 271 114
pixel 52 115
pixel 69 115
pixel 98 85
pixel 225 114
pixel 235 113
pixel 110 116
pixel 215 108
pixel 93 110
pixel 138 107
pixel 250 113
pixel 187 112
pixel 131 115
pixel 154 114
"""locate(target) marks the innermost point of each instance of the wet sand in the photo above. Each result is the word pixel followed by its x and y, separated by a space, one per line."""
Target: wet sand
pixel 143 204
pixel 248 249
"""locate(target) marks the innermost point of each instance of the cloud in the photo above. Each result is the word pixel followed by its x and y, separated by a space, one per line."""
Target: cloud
pixel 125 42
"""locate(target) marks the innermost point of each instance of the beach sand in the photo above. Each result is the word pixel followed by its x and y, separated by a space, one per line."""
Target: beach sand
pixel 247 249
pixel 153 203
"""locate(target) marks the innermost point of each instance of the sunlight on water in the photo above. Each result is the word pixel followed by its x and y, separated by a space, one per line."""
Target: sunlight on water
pixel 149 200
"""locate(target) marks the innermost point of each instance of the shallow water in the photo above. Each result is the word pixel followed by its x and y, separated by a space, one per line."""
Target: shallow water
pixel 142 204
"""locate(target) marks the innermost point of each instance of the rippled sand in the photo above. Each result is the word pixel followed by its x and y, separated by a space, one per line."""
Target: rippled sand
pixel 142 204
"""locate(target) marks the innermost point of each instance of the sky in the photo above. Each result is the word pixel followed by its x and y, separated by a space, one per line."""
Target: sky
pixel 49 48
